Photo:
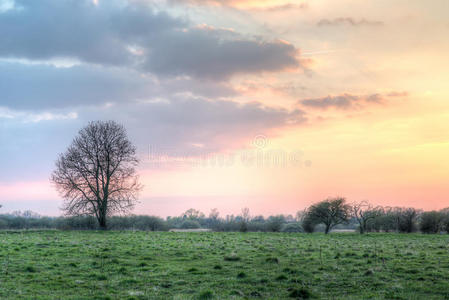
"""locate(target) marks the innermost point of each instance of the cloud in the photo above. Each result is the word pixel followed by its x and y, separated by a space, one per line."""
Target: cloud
pixel 261 5
pixel 348 101
pixel 134 35
pixel 182 123
pixel 348 22
pixel 6 5
pixel 398 94
pixel 283 7
pixel 40 87
pixel 205 55
pixel 32 117
pixel 175 126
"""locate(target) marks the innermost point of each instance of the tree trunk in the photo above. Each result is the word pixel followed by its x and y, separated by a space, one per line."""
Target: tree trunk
pixel 328 227
pixel 102 221
pixel 362 226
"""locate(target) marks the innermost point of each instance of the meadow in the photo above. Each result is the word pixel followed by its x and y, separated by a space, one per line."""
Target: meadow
pixel 168 265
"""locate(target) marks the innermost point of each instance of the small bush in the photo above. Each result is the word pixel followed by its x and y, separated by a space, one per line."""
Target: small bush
pixel 308 224
pixel 190 224
pixel 292 228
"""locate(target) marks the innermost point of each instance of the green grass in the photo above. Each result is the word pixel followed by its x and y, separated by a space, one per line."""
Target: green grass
pixel 143 265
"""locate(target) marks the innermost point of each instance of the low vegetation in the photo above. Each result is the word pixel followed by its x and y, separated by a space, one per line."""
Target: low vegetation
pixel 167 265
pixel 330 214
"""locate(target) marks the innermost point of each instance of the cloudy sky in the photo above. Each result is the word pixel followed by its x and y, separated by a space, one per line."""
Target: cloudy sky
pixel 266 104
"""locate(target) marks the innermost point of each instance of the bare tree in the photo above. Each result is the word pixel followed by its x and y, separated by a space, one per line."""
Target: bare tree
pixel 214 214
pixel 363 212
pixel 96 175
pixel 245 215
pixel 300 215
pixel 245 218
pixel 330 212
pixel 193 214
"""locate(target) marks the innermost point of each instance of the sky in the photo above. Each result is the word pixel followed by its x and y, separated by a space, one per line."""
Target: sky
pixel 266 104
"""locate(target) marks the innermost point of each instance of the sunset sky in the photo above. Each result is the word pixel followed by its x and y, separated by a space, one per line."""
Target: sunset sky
pixel 266 104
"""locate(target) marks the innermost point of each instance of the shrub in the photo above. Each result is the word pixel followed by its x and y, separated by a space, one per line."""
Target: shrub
pixel 308 224
pixel 292 227
pixel 243 227
pixel 431 222
pixel 406 219
pixel 275 223
pixel 190 224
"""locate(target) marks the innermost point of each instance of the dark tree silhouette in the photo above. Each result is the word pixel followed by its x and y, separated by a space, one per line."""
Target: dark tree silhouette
pixel 330 212
pixel 364 212
pixel 96 175
pixel 431 222
pixel 406 219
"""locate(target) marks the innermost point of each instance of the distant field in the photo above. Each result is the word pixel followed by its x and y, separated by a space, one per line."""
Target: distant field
pixel 169 265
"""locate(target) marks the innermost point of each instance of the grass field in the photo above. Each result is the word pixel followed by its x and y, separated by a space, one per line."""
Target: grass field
pixel 167 265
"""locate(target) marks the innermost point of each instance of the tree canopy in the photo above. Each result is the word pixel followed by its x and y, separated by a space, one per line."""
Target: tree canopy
pixel 97 174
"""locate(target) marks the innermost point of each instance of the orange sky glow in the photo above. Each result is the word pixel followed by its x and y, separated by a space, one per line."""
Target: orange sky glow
pixel 356 106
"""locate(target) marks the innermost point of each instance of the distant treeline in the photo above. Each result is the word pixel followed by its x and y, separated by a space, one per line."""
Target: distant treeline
pixel 361 217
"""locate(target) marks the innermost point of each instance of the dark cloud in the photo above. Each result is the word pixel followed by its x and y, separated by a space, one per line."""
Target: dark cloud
pixel 348 21
pixel 135 36
pixel 348 101
pixel 204 54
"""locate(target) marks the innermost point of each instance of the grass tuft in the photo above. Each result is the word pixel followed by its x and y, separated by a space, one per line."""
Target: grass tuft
pixel 301 293
pixel 30 269
pixel 232 257
pixel 205 295
pixel 274 260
